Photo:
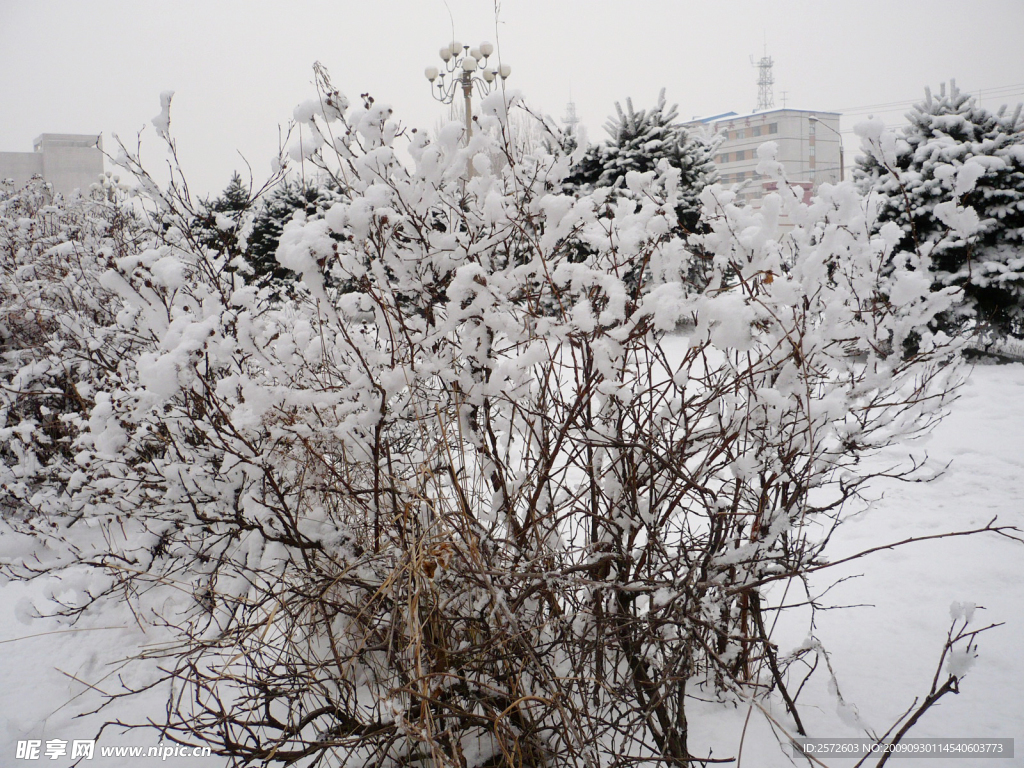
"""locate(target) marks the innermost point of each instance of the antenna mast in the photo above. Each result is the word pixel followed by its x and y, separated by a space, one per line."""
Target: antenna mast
pixel 765 81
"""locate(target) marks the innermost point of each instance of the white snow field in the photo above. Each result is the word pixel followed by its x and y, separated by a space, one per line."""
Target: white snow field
pixel 884 651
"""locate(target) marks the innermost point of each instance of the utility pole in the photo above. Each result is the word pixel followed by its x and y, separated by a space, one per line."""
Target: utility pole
pixel 842 169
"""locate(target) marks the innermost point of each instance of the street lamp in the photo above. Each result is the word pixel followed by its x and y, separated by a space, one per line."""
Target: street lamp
pixel 468 68
pixel 841 162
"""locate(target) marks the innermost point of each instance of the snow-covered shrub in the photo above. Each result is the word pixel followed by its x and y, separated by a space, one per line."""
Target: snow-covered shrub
pixel 58 339
pixel 486 506
pixel 956 156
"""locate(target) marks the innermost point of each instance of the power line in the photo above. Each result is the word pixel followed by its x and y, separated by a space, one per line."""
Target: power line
pixel 900 106
pixel 885 112
pixel 982 93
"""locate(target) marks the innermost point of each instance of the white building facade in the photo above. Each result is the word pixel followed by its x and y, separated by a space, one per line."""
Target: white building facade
pixel 68 161
pixel 809 147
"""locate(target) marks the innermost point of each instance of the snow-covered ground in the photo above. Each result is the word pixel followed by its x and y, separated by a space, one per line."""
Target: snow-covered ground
pixel 884 651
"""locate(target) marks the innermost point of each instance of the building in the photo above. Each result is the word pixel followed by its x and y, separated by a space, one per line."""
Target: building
pixel 68 161
pixel 809 147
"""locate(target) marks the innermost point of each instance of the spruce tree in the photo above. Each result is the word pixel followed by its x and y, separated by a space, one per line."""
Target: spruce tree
pixel 638 141
pixel 280 207
pixel 217 224
pixel 234 198
pixel 944 134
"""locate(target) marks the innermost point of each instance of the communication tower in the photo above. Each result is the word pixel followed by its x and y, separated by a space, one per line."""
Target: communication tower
pixel 765 81
pixel 571 119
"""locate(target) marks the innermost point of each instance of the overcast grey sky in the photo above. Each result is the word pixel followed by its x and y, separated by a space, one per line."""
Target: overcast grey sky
pixel 239 68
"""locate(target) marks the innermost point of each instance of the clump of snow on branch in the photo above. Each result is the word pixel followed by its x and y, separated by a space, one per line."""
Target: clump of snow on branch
pixel 162 122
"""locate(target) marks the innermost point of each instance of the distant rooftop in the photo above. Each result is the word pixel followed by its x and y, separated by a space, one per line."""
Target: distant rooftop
pixel 66 161
pixel 84 140
pixel 713 118
pixel 764 112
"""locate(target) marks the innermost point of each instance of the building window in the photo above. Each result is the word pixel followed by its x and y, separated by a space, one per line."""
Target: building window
pixel 755 131
pixel 739 134
pixel 773 127
pixel 741 155
pixel 724 157
pixel 741 176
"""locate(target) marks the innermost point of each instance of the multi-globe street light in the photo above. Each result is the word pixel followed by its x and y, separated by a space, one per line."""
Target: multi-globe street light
pixel 469 68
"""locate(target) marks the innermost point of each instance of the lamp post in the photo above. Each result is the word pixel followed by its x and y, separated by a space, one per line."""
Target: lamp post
pixel 842 174
pixel 467 68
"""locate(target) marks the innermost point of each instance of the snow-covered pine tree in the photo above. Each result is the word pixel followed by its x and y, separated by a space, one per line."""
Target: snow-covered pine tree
pixel 219 222
pixel 639 141
pixel 950 142
pixel 235 198
pixel 278 208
